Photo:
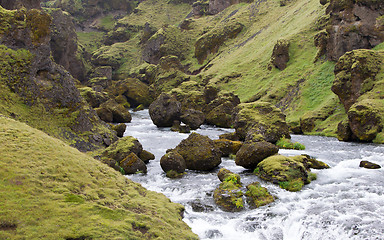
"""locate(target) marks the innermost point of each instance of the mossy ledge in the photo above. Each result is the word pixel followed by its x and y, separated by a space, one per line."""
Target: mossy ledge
pixel 58 192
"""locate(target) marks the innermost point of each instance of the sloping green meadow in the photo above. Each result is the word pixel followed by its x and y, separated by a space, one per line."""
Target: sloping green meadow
pixel 52 191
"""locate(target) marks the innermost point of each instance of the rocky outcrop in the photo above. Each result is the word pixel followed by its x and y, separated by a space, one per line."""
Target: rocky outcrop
pixel 355 74
pixel 210 42
pixel 354 25
pixel 111 111
pixel 44 82
pixel 64 43
pixel 120 129
pixel 216 6
pixel 133 164
pixel 164 110
pixel 280 54
pixel 359 89
pixel 251 154
pixel 199 152
pixel 134 91
pixel 260 121
pixel 17 4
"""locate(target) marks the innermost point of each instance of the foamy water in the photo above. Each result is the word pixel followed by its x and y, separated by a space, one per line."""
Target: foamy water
pixel 345 202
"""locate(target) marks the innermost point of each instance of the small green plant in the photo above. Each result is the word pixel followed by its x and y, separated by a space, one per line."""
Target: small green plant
pixel 239 203
pixel 256 171
pixel 288 144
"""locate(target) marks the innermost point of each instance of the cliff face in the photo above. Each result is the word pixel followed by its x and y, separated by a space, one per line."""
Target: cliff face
pixel 354 25
pixel 44 83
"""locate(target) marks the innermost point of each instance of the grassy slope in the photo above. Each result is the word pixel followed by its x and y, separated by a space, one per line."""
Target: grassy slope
pixel 52 191
pixel 303 86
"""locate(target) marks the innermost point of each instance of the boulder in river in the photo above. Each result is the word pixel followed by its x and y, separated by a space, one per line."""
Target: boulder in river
pixel 172 161
pixel 228 147
pixel 289 173
pixel 369 165
pixel 250 154
pixel 228 195
pixel 133 164
pixel 257 195
pixel 199 152
pixel 164 110
pixel 260 121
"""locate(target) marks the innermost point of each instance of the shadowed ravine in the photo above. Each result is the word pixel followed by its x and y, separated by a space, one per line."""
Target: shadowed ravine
pixel 345 202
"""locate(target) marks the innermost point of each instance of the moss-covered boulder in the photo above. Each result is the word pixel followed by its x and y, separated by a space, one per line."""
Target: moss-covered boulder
pixel 193 118
pixel 366 118
pixel 355 74
pixel 221 115
pixel 257 195
pixel 199 152
pixel 280 54
pixel 134 91
pixel 228 147
pixel 111 111
pixel 173 161
pixel 146 156
pixel 164 110
pixel 228 195
pixel 251 154
pixel 120 129
pixel 133 164
pixel 120 149
pixel 94 98
pixel 210 42
pixel 289 173
pixel 369 165
pixel 260 121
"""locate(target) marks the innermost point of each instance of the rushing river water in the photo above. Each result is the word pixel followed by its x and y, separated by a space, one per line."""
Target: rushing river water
pixel 345 202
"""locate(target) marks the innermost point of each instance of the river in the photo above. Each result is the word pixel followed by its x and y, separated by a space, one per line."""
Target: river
pixel 345 202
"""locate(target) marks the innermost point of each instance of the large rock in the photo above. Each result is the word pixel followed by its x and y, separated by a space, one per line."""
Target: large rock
pixel 64 43
pixel 111 111
pixel 280 54
pixel 228 195
pixel 120 149
pixel 366 118
pixel 257 195
pixel 94 98
pixel 354 25
pixel 355 74
pixel 172 161
pixel 133 164
pixel 250 154
pixel 193 118
pixel 199 152
pixel 135 91
pixel 164 110
pixel 260 121
pixel 289 173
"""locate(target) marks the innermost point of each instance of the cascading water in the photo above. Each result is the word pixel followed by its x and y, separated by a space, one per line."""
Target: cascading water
pixel 345 202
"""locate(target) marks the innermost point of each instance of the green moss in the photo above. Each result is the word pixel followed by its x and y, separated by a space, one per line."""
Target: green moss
pixel 288 144
pixel 39 23
pixel 292 186
pixel 259 196
pixel 60 193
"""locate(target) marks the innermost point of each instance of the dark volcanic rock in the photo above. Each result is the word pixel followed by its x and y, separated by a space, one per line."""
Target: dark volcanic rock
pixel 64 43
pixel 369 165
pixel 280 54
pixel 199 152
pixel 133 164
pixel 164 110
pixel 17 4
pixel 172 161
pixel 250 154
pixel 354 25
pixel 193 118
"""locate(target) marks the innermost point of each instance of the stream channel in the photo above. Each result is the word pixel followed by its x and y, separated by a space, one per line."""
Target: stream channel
pixel 345 202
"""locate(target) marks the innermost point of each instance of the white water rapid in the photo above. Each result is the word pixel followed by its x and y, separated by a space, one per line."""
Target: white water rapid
pixel 345 202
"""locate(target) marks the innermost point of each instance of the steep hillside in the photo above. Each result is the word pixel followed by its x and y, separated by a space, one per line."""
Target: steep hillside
pixel 52 191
